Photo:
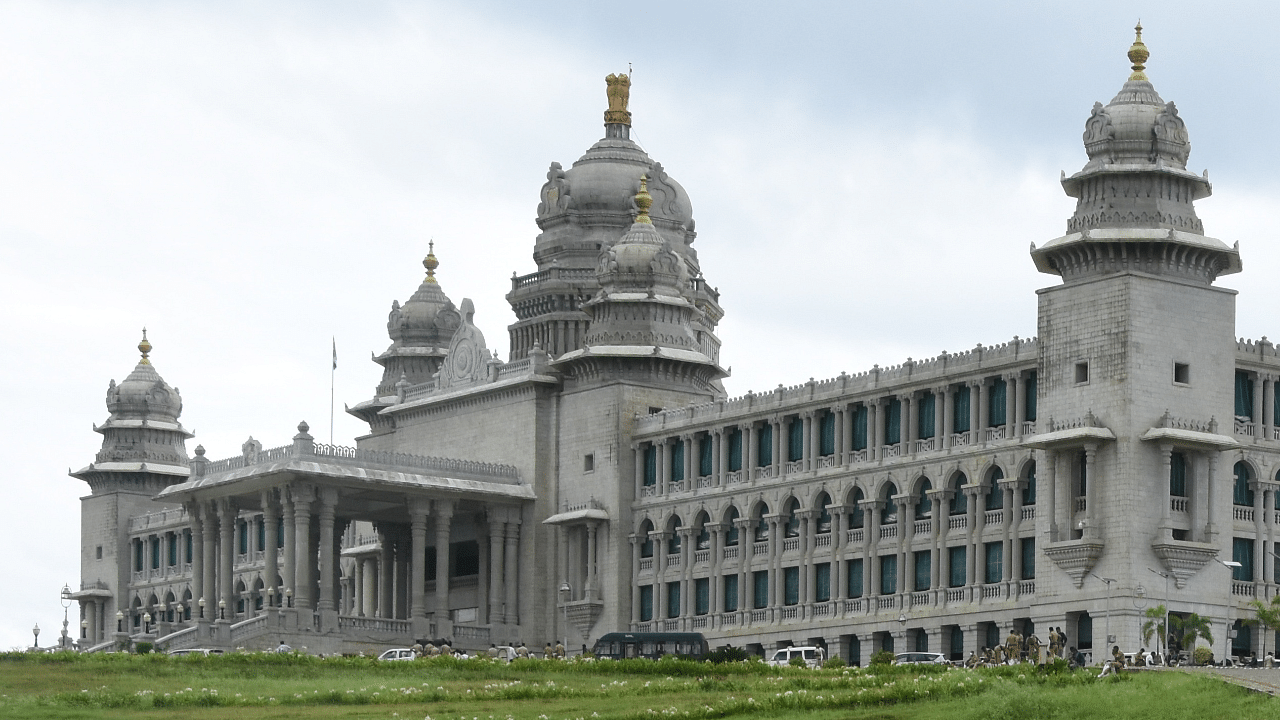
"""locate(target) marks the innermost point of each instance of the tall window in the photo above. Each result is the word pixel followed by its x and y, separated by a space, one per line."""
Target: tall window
pixel 730 593
pixel 1031 396
pixel 651 466
pixel 957 642
pixel 860 441
pixel 1241 493
pixel 994 561
pixel 995 495
pixel 889 515
pixel 959 502
pixel 824 515
pixel 701 596
pixel 857 517
pixel 996 403
pixel 792 519
pixel 172 554
pixel 853 575
pixel 764 445
pixel 677 461
pixel 243 533
pixel 762 525
pixel 138 562
pixel 1242 552
pixel 1028 558
pixel 1082 472
pixel 924 508
pixel 646 603
pixel 925 424
pixel 795 439
pixel 1178 475
pixel 760 589
pixel 1029 492
pixel 155 552
pixel 956 559
pixel 706 453
pixel 791 586
pixel 923 570
pixel 673 599
pixel 821 582
pixel 673 542
pixel 1244 395
pixel 702 541
pixel 893 422
pixel 731 527
pixel 960 410
pixel 186 536
pixel 735 450
pixel 646 540
pixel 261 525
pixel 827 434
pixel 888 574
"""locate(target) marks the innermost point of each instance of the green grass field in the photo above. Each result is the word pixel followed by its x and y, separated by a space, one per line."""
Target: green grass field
pixel 295 686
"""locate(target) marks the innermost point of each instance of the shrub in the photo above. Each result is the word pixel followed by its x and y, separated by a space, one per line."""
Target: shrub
pixel 835 663
pixel 143 648
pixel 797 661
pixel 884 657
pixel 726 654
pixel 1202 656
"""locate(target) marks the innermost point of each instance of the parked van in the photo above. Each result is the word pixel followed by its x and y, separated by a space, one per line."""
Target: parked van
pixel 809 653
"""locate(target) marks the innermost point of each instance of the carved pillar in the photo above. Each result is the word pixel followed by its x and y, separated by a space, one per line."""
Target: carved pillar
pixel 984 409
pixel 906 533
pixel 290 579
pixel 941 529
pixel 1010 513
pixel 751 445
pixel 592 537
pixel 226 547
pixel 871 545
pixel 878 428
pixel 778 461
pixel 664 464
pixel 687 441
pixel 841 446
pixel 714 603
pixel 328 502
pixel 419 508
pixel 1091 491
pixel 198 563
pixel 1049 459
pixel 386 588
pixel 719 456
pixel 304 560
pixel 746 551
pixel 838 537
pixel 976 517
pixel 812 443
pixel 1268 406
pixel 806 557
pixel 496 594
pixel 1019 405
pixel 443 517
pixel 910 431
pixel 512 568
pixel 686 568
pixel 948 415
pixel 269 556
pixel 1166 497
pixel 1012 390
pixel 873 429
pixel 1211 490
pixel 635 579
pixel 977 396
pixel 775 561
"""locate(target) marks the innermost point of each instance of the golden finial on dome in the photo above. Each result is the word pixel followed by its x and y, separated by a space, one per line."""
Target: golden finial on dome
pixel 430 262
pixel 144 347
pixel 1138 55
pixel 619 93
pixel 643 201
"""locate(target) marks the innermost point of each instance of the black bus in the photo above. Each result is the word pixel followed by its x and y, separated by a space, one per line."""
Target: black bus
pixel 651 645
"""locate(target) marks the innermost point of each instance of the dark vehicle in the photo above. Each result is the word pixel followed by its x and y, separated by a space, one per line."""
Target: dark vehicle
pixel 652 645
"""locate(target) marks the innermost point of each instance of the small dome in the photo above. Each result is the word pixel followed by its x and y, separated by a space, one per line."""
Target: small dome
pixel 428 318
pixel 143 394
pixel 641 259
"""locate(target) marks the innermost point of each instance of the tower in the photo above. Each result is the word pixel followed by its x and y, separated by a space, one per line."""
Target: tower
pixel 1136 367
pixel 143 451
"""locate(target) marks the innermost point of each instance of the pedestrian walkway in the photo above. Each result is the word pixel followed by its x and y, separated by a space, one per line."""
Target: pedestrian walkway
pixel 1261 680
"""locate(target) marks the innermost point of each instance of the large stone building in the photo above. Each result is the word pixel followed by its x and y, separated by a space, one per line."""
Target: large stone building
pixel 601 478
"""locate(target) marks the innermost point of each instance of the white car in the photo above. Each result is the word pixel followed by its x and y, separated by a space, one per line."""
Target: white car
pixel 809 653
pixel 920 658
pixel 398 654
pixel 194 651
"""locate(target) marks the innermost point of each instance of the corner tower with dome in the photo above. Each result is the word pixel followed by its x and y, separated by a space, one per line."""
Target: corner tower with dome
pixel 600 479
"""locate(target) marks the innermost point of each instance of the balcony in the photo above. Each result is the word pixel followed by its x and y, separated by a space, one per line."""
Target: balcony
pixel 1244 514
pixel 854 536
pixel 646 564
pixel 928 445
pixel 993 517
pixel 891 451
pixel 1178 504
pixel 729 553
pixel 705 481
pixel 734 477
pixel 790 544
pixel 957 522
pixel 793 467
pixel 822 541
pixel 854 605
pixel 995 433
pixel 888 531
pixel 702 557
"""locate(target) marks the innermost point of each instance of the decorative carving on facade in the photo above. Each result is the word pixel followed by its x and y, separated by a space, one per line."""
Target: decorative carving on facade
pixel 555 192
pixel 1183 559
pixel 468 359
pixel 1075 557
pixel 665 195
pixel 1098 130
pixel 1171 136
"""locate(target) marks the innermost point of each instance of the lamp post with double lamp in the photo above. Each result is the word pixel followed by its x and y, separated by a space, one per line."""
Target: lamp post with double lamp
pixel 1108 581
pixel 566 592
pixel 66 605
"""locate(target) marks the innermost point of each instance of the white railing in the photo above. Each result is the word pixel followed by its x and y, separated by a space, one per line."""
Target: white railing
pixel 1026 587
pixel 674 486
pixel 789 613
pixel 1245 427
pixel 764 473
pixel 759 616
pixel 957 522
pixel 960 439
pixel 729 553
pixel 888 531
pixel 927 445
pixel 246 629
pixel 705 481
pixel 994 590
pixel 760 549
pixel 821 541
pixel 184 638
pixel 993 517
pixel 854 536
pixel 955 595
pixel 646 564
pixel 853 605
pixel 471 632
pixel 648 490
pixel 162 518
pixel 1081 505
pixel 891 451
pixel 886 602
pixel 672 625
pixel 702 556
pixel 1178 504
pixel 1242 513
pixel 673 560
pixel 822 609
pixel 826 461
pixel 373 624
pixel 1029 427
pixel 919 599
pixel 1244 589
pixel 922 527
pixel 698 622
pixel 793 466
pixel 858 456
pixel 729 618
pixel 1028 512
pixel 734 476
pixel 995 433
pixel 790 544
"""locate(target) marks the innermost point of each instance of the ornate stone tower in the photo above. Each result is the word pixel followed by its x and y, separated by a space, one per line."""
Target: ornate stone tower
pixel 420 331
pixel 143 451
pixel 583 209
pixel 1137 355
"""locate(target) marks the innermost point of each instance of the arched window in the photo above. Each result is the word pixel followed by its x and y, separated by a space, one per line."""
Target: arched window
pixel 1241 493
pixel 924 508
pixel 824 515
pixel 959 504
pixel 889 515
pixel 995 495
pixel 1029 493
pixel 702 541
pixel 646 539
pixel 1178 475
pixel 731 527
pixel 761 525
pixel 792 519
pixel 857 518
pixel 673 542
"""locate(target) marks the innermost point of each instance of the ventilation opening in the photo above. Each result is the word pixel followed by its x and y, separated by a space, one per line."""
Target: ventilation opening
pixel 1082 372
pixel 1182 373
pixel 588 462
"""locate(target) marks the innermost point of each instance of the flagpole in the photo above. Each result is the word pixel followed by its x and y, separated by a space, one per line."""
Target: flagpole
pixel 332 370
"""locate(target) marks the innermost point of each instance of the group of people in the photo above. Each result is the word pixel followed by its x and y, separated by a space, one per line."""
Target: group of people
pixel 1020 649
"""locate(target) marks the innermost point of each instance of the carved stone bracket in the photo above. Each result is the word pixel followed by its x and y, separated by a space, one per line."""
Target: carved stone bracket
pixel 1075 557
pixel 1183 559
pixel 584 613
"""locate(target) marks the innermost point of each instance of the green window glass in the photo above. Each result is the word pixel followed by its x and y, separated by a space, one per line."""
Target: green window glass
pixel 1028 558
pixel 853 582
pixel 1178 475
pixel 138 562
pixel 959 501
pixel 925 504
pixel 994 496
pixel 1241 493
pixel 888 574
pixel 956 559
pixel 1242 552
pixel 673 599
pixel 795 440
pixel 701 596
pixel 886 643
pixel 893 422
pixel 243 539
pixel 730 593
pixel 792 526
pixel 857 516
pixel 1031 396
pixel 925 424
pixel 764 445
pixel 1242 643
pixel 262 532
pixel 280 533
pixel 735 450
pixel 646 544
pixel 762 527
pixel 821 582
pixel 731 529
pixel 860 428
pixel 673 542
pixel 827 434
pixel 646 603
pixel 706 452
pixel 1244 395
pixel 996 403
pixel 824 516
pixel 650 466
pixel 187 538
pixel 155 552
pixel 994 566
pixel 1082 462
pixel 922 641
pixel 677 461
pixel 960 410
pixel 173 550
pixel 760 589
pixel 791 585
pixel 1029 492
pixel 923 570
pixel 957 643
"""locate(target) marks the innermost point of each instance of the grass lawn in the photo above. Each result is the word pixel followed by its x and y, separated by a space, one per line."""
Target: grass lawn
pixel 296 686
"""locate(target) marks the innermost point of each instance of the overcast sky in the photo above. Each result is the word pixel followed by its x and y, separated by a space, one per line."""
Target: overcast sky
pixel 249 180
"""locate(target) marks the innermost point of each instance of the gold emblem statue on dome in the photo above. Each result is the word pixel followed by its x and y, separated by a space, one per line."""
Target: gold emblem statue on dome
pixel 619 92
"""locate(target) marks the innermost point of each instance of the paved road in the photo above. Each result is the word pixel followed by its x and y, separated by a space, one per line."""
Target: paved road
pixel 1256 679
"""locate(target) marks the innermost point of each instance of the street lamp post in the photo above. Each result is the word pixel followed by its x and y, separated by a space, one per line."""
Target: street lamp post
pixel 36 631
pixel 1226 640
pixel 566 592
pixel 902 630
pixel 288 596
pixel 66 605
pixel 1164 631
pixel 200 602
pixel 119 621
pixel 146 623
pixel 222 608
pixel 1108 581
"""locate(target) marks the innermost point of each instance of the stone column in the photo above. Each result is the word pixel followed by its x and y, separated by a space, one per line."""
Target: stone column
pixel 871 551
pixel 1211 490
pixel 844 430
pixel 1091 491
pixel 386 587
pixel 304 561
pixel 838 569
pixel 812 441
pixel 197 556
pixel 751 445
pixel 270 557
pixel 289 580
pixel 719 456
pixel 686 566
pixel 714 603
pixel 948 414
pixel 746 549
pixel 512 580
pixel 976 518
pixel 873 422
pixel 1010 513
pixel 941 528
pixel 910 423
pixel 226 578
pixel 496 594
pixel 775 562
pixel 1049 460
pixel 660 573
pixel 878 428
pixel 635 579
pixel 906 533
pixel 419 508
pixel 807 579
pixel 984 409
pixel 1019 405
pixel 664 465
pixel 1164 493
pixel 1012 390
pixel 443 518
pixel 976 399
pixel 328 503
pixel 357 588
pixel 210 562
pixel 1257 404
pixel 939 429
pixel 778 461
pixel 1268 406
pixel 687 441
pixel 593 589
pixel 1261 551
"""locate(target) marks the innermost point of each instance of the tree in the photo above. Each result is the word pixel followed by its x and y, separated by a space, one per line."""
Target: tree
pixel 1154 626
pixel 1191 628
pixel 1267 615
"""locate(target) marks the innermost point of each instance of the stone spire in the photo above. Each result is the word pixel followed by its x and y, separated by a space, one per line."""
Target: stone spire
pixel 1135 197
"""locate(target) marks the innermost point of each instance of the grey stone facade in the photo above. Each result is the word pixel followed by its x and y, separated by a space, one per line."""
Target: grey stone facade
pixel 602 474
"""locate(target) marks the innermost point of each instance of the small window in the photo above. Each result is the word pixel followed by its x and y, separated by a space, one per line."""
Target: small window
pixel 1182 373
pixel 1082 373
pixel 99 552
pixel 589 462
pixel 654 410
